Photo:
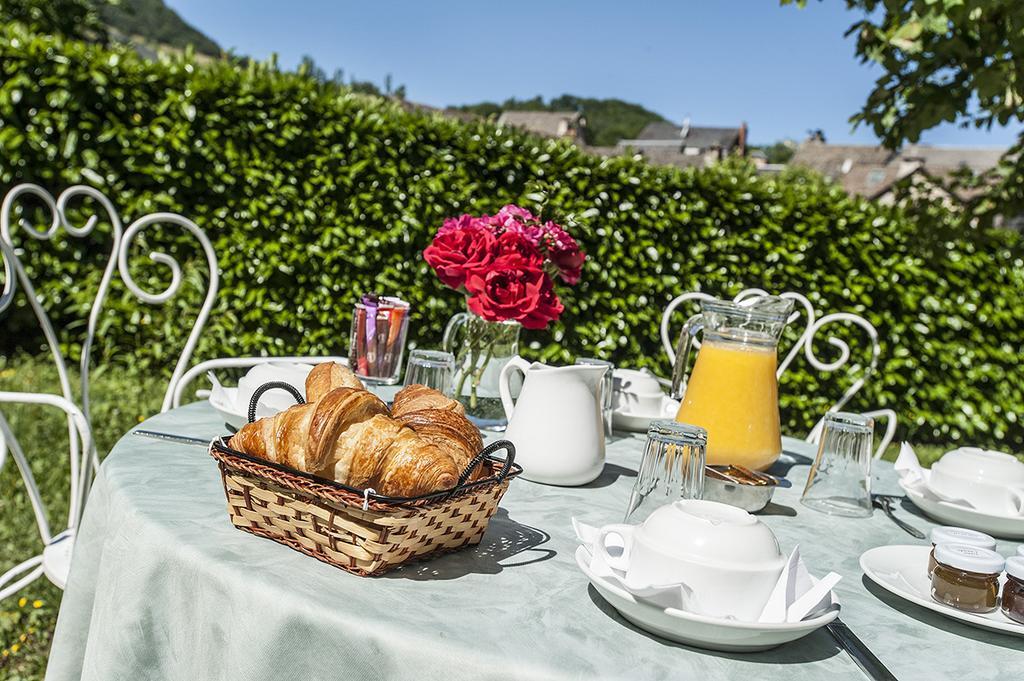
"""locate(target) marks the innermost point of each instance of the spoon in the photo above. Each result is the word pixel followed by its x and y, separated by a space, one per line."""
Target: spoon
pixel 884 502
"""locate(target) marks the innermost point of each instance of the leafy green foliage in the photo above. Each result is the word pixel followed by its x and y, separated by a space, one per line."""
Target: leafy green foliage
pixel 154 20
pixel 947 61
pixel 779 152
pixel 608 120
pixel 72 18
pixel 313 195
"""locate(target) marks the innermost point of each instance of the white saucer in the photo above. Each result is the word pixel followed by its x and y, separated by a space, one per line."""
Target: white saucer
pixel 639 423
pixel 1009 527
pixel 903 571
pixel 700 631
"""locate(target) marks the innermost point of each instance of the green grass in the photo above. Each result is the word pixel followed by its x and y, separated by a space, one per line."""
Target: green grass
pixel 120 400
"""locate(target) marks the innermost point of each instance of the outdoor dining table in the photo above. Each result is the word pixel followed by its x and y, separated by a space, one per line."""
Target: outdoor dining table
pixel 162 586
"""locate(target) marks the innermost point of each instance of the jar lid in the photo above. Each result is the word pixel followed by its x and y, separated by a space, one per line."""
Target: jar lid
pixel 961 535
pixel 1015 567
pixel 969 558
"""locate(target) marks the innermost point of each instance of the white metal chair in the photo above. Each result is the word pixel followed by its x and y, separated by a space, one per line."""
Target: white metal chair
pixel 805 341
pixel 81 444
pixel 55 559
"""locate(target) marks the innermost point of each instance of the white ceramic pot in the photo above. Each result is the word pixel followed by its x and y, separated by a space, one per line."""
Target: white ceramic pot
pixel 272 401
pixel 992 482
pixel 729 558
pixel 556 424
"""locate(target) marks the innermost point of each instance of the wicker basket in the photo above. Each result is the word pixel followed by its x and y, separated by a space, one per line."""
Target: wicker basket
pixel 358 530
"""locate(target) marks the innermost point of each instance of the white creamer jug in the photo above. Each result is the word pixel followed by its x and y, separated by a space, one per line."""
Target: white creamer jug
pixel 556 423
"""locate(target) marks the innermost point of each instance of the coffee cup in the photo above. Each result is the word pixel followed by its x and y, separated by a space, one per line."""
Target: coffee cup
pixel 642 404
pixel 992 482
pixel 728 558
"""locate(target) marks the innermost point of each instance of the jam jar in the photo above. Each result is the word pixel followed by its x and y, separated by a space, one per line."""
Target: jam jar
pixel 1013 590
pixel 958 535
pixel 966 577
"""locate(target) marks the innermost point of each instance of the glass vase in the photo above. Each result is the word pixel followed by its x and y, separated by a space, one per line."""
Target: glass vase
pixel 481 349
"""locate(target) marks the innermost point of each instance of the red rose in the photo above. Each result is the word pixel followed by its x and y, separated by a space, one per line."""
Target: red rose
pixel 523 294
pixel 513 250
pixel 564 253
pixel 457 253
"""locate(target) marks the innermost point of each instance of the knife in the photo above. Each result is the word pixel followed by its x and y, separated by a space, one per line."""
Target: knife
pixel 171 437
pixel 855 648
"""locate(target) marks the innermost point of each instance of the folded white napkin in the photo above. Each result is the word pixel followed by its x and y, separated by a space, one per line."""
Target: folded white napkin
pixel 797 596
pixel 914 475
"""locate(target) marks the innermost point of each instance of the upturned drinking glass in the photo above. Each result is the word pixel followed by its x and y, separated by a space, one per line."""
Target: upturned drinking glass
pixel 672 468
pixel 432 368
pixel 607 389
pixel 840 479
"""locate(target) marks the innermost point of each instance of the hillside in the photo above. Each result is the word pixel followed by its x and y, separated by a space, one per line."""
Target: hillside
pixel 608 120
pixel 155 22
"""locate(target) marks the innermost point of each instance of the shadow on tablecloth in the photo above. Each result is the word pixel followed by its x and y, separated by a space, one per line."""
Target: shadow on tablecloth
pixel 507 544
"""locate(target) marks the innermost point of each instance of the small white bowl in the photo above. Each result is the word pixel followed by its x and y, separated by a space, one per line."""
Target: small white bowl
pixel 992 482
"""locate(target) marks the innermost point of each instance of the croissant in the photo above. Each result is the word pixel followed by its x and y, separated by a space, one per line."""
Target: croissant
pixel 305 436
pixel 392 459
pixel 347 435
pixel 418 397
pixel 450 431
pixel 326 377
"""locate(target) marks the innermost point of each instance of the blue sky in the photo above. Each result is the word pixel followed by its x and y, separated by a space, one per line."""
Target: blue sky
pixel 783 70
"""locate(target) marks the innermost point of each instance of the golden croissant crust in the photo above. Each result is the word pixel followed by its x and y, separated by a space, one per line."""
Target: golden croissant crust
pixel 449 430
pixel 348 435
pixel 419 397
pixel 326 377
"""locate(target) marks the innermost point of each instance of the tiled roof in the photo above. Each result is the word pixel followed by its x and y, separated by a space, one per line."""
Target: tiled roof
pixel 872 170
pixel 550 123
pixel 696 136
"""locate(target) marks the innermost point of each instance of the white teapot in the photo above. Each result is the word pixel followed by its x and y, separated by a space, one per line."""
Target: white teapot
pixel 556 424
pixel 727 558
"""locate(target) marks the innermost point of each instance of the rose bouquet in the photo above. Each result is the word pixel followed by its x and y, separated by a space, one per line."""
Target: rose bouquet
pixel 506 265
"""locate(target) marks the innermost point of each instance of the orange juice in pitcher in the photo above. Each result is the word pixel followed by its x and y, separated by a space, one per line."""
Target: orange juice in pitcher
pixel 732 391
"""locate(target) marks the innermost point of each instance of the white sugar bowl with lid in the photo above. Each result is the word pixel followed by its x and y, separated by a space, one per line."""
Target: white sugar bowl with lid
pixel 727 557
pixel 993 482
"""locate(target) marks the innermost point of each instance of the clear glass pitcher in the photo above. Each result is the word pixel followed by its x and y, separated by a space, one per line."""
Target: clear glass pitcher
pixel 732 391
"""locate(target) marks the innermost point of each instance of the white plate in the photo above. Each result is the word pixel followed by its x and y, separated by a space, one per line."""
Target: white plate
pixel 700 631
pixel 227 409
pixel 1009 527
pixel 903 571
pixel 639 423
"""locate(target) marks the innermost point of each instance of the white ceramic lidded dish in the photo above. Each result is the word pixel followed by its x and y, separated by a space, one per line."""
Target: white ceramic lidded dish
pixel 993 482
pixel 729 558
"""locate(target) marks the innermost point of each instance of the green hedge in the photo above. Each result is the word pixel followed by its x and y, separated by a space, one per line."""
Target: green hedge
pixel 313 195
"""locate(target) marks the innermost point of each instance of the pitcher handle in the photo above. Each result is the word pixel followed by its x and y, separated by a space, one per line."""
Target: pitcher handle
pixel 454 324
pixel 691 328
pixel 516 363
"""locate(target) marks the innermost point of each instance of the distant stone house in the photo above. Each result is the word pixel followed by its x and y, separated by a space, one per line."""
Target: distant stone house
pixel 873 171
pixel 569 124
pixel 686 145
